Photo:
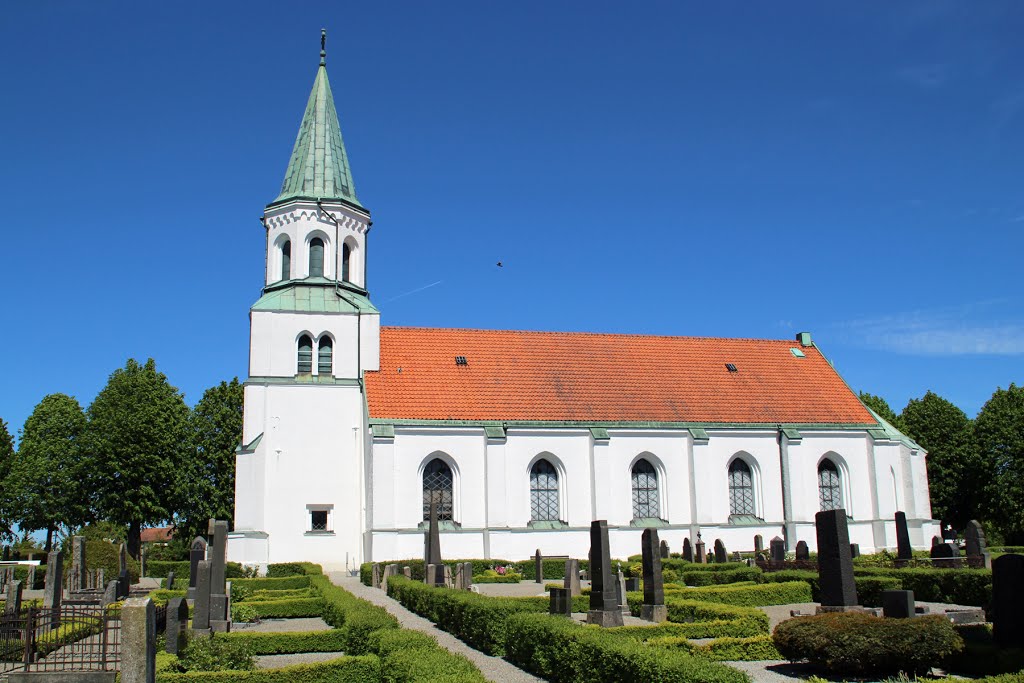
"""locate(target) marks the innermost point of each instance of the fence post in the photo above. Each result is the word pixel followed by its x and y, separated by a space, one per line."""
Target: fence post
pixel 138 641
pixel 30 636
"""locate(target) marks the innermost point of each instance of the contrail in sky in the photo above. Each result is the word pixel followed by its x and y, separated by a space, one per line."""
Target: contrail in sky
pixel 413 291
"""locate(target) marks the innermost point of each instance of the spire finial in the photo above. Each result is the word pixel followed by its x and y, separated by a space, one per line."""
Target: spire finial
pixel 323 47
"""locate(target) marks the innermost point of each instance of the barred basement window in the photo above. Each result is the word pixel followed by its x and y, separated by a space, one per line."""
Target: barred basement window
pixel 437 488
pixel 318 520
pixel 829 493
pixel 543 492
pixel 316 257
pixel 741 489
pixel 645 491
pixel 324 356
pixel 305 364
pixel 286 261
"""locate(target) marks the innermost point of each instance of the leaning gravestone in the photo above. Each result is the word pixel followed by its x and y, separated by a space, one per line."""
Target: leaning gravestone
pixel 170 580
pixel 604 608
pixel 78 575
pixel 802 553
pixel 654 589
pixel 110 594
pixel 538 567
pixel 721 556
pixel 687 550
pixel 835 565
pixel 12 607
pixel 1008 601
pixel 389 571
pixel 196 554
pixel 407 572
pixel 220 615
pixel 572 577
pixel 664 550
pixel 903 549
pixel 777 549
pixel 432 546
pixel 53 591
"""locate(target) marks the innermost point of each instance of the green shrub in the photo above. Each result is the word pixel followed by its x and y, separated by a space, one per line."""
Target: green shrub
pixel 734 574
pixel 862 644
pixel 699 619
pixel 275 584
pixel 757 595
pixel 753 649
pixel 956 586
pixel 293 569
pixel 159 569
pixel 357 618
pixel 283 643
pixel 494 577
pixel 410 656
pixel 560 651
pixel 102 555
pixel 341 670
pixel 981 656
pixel 869 586
pixel 294 608
pixel 216 652
pixel 244 613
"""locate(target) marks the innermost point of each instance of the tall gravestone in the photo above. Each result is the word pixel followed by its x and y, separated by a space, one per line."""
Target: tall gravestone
pixel 177 621
pixel 855 550
pixel 432 546
pixel 604 607
pixel 802 552
pixel 777 549
pixel 1008 601
pixel 974 544
pixel 903 550
pixel 572 577
pixel 30 583
pixel 53 591
pixel 664 550
pixel 122 558
pixel 170 580
pixel 835 564
pixel 110 593
pixel 538 567
pixel 758 543
pixel 196 554
pixel 620 591
pixel 700 557
pixel 12 607
pixel 375 575
pixel 721 556
pixel 201 607
pixel 220 617
pixel 78 577
pixel 687 550
pixel 654 589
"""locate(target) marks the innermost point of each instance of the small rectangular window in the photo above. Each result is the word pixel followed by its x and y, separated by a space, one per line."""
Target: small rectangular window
pixel 318 520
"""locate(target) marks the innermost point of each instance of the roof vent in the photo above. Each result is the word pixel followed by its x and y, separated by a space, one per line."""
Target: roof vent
pixel 804 338
pixel 460 360
pixel 730 367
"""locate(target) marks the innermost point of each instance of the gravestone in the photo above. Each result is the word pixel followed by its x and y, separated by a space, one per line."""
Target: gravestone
pixel 446 573
pixel 945 555
pixel 699 556
pixel 201 607
pixel 78 578
pixel 177 621
pixel 855 550
pixel 1008 600
pixel 53 591
pixel 122 559
pixel 375 575
pixel 835 565
pixel 124 585
pixel 777 549
pixel 664 550
pixel 572 577
pixel 604 608
pixel 407 572
pixel 758 543
pixel 170 580
pixel 974 544
pixel 458 576
pixel 31 582
pixel 802 553
pixel 687 550
pixel 538 567
pixel 898 604
pixel 620 591
pixel 100 573
pixel 12 607
pixel 432 547
pixel 467 575
pixel 560 602
pixel 632 583
pixel 110 593
pixel 220 616
pixel 903 549
pixel 936 541
pixel 196 554
pixel 653 608
pixel 721 556
pixel 430 574
pixel 389 571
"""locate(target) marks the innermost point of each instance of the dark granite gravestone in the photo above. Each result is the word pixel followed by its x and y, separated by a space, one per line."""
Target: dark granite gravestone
pixel 1008 600
pixel 560 602
pixel 201 607
pixel 758 543
pixel 12 606
pixel 687 550
pixel 122 558
pixel 110 593
pixel 572 577
pixel 538 567
pixel 220 615
pixel 78 579
pixel 196 554
pixel 898 604
pixel 124 585
pixel 802 553
pixel 432 544
pixel 945 555
pixel 721 555
pixel 835 565
pixel 903 549
pixel 632 584
pixel 604 607
pixel 777 549
pixel 855 550
pixel 170 580
pixel 664 550
pixel 53 591
pixel 974 545
pixel 653 608
pixel 177 622
pixel 936 540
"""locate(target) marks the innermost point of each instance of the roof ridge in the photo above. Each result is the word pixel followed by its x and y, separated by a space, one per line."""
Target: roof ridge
pixel 587 334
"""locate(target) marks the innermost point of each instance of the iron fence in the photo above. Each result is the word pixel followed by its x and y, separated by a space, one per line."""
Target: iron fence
pixel 72 638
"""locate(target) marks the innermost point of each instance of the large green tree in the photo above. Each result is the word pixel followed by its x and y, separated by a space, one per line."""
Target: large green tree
pixel 881 406
pixel 207 485
pixel 999 431
pixel 137 438
pixel 8 503
pixel 50 469
pixel 957 474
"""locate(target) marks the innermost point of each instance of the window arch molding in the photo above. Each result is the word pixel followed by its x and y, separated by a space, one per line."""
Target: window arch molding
pixel 319 357
pixel 456 481
pixel 353 269
pixel 755 479
pixel 559 468
pixel 277 257
pixel 328 264
pixel 299 358
pixel 662 480
pixel 844 478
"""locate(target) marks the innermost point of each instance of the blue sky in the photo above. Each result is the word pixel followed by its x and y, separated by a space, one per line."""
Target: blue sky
pixel 712 169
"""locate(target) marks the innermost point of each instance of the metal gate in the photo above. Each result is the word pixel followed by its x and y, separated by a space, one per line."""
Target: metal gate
pixel 72 638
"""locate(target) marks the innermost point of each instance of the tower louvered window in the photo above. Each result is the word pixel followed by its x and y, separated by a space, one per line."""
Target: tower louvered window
pixel 437 487
pixel 286 261
pixel 346 255
pixel 645 491
pixel 543 492
pixel 829 492
pixel 305 364
pixel 741 489
pixel 316 257
pixel 324 356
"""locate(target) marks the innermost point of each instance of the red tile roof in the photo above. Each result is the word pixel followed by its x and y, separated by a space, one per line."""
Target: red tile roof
pixel 160 534
pixel 561 376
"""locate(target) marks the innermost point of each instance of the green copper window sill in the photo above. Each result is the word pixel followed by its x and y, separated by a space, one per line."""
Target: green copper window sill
pixel 648 523
pixel 547 524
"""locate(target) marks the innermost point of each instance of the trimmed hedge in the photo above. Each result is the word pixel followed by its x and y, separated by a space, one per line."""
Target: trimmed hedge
pixel 293 569
pixel 863 644
pixel 284 643
pixel 562 652
pixel 756 595
pixel 342 670
pixel 411 656
pixel 284 609
pixel 698 619
pixel 957 586
pixel 158 569
pixel 703 577
pixel 753 649
pixel 981 656
pixel 355 617
pixel 553 569
pixel 274 584
pixel 869 587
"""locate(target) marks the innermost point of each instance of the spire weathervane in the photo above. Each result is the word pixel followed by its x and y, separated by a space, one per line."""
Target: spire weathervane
pixel 323 47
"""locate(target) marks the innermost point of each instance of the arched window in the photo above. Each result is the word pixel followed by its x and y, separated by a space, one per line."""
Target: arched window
pixel 305 355
pixel 286 261
pixel 741 489
pixel 829 493
pixel 346 253
pixel 645 491
pixel 437 487
pixel 316 257
pixel 323 356
pixel 543 492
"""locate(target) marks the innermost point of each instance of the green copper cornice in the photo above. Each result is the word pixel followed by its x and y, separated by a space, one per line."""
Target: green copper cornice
pixel 313 295
pixel 319 168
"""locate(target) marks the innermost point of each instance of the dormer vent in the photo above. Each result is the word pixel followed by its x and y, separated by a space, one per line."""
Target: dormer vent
pixel 460 360
pixel 731 367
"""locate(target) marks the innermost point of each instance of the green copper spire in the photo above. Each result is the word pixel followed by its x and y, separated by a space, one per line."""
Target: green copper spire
pixel 318 168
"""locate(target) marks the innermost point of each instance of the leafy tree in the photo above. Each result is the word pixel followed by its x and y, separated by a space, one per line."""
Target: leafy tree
pixel 957 474
pixel 8 507
pixel 881 406
pixel 137 437
pixel 999 431
pixel 207 485
pixel 49 468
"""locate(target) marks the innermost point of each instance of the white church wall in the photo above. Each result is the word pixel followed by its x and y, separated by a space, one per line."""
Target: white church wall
pixel 568 450
pixel 276 354
pixel 849 453
pixel 666 451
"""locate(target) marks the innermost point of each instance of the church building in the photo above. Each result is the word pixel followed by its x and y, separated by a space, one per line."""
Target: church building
pixel 524 438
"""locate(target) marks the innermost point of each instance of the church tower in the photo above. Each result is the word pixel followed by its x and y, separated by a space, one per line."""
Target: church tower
pixel 301 472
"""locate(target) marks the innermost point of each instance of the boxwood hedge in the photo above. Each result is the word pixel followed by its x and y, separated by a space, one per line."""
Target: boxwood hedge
pixel 748 595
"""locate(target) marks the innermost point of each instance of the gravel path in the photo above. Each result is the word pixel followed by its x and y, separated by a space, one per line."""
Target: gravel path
pixel 493 668
pixel 281 625
pixel 278 661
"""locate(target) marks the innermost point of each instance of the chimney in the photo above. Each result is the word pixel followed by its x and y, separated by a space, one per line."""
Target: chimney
pixel 804 338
